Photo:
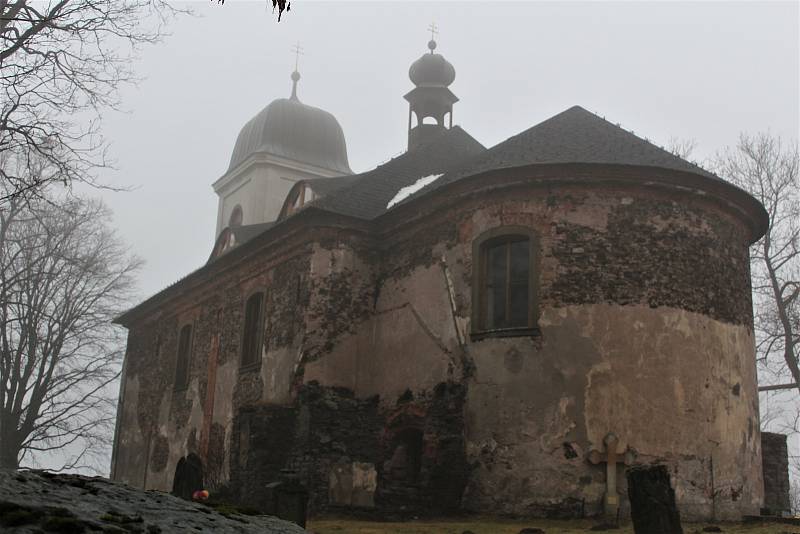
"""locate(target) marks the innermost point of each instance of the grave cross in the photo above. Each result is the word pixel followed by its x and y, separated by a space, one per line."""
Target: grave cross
pixel 611 501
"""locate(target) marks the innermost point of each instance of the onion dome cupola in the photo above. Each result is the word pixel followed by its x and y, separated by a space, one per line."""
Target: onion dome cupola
pixel 431 98
pixel 290 129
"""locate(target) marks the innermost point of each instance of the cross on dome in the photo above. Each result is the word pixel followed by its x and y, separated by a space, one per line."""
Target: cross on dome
pixel 434 30
pixel 298 51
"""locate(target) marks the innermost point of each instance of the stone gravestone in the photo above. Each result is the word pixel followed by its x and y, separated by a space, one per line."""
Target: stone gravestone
pixel 775 465
pixel 653 509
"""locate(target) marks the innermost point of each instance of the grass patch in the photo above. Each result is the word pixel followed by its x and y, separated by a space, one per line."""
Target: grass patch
pixel 500 526
pixel 454 526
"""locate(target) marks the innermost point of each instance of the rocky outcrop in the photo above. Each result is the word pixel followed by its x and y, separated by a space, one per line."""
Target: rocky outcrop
pixel 37 501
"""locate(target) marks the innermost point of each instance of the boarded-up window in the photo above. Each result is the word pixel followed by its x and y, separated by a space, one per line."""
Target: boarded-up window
pixel 184 356
pixel 251 339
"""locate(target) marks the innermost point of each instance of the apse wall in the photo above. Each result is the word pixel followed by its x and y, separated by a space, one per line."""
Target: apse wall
pixel 643 329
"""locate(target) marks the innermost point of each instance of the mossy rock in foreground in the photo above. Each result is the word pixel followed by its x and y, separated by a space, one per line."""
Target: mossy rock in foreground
pixel 33 502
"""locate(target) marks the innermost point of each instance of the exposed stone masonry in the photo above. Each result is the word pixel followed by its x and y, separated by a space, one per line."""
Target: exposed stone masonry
pixel 632 260
pixel 328 428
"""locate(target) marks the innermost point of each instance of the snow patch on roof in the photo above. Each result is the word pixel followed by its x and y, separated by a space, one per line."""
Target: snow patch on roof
pixel 409 190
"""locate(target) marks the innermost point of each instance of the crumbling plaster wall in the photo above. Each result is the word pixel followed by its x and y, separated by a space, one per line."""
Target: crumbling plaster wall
pixel 645 331
pixel 160 425
pixel 673 394
pixel 404 337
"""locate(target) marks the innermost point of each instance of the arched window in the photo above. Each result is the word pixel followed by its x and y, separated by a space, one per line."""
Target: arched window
pixel 504 282
pixel 299 196
pixel 184 356
pixel 251 337
pixel 237 216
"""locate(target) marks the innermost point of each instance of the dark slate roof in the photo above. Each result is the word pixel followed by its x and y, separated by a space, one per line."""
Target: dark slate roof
pixel 325 186
pixel 246 232
pixel 241 234
pixel 368 194
pixel 573 136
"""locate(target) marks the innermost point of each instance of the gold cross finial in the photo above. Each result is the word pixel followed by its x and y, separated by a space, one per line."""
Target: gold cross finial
pixel 298 51
pixel 433 29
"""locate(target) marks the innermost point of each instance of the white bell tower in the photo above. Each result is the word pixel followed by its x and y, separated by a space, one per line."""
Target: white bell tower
pixel 284 143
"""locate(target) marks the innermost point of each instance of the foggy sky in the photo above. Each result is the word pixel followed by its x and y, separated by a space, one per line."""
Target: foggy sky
pixel 691 70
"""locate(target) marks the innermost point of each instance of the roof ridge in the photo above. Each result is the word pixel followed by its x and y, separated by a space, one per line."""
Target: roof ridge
pixel 644 139
pixel 408 154
pixel 577 111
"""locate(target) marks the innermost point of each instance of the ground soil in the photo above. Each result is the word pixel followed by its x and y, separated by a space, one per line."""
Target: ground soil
pixel 490 526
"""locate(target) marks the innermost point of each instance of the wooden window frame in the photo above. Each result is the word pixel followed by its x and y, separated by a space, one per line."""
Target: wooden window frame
pixel 259 335
pixel 184 384
pixel 480 247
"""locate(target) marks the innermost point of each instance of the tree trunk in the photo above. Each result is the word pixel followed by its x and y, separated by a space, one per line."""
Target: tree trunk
pixel 783 315
pixel 10 444
pixel 9 454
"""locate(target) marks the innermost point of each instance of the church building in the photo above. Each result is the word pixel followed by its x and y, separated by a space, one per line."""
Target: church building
pixel 502 330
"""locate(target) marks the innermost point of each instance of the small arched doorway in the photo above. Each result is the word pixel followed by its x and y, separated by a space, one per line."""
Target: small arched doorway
pixel 406 460
pixel 402 478
pixel 188 477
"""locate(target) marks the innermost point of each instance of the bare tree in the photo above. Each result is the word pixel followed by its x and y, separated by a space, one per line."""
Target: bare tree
pixel 63 275
pixel 683 148
pixel 61 63
pixel 280 5
pixel 766 168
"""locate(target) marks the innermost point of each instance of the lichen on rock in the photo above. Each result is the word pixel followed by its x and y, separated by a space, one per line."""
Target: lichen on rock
pixel 33 501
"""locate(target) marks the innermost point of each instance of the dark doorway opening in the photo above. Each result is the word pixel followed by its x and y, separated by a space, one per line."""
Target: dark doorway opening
pixel 188 477
pixel 402 479
pixel 406 460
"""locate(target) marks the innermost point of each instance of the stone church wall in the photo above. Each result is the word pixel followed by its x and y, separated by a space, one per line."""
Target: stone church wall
pixel 160 425
pixel 373 389
pixel 645 331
